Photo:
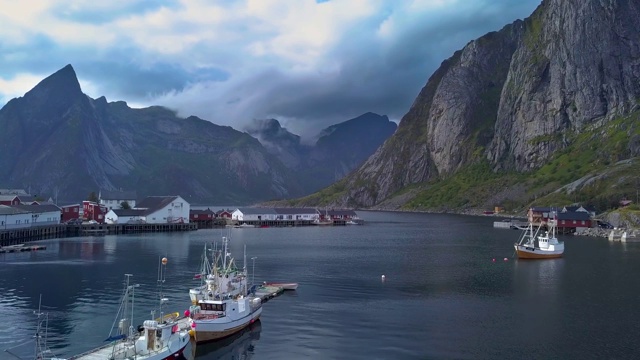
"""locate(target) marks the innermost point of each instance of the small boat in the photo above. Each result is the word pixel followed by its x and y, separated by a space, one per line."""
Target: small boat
pixel 223 305
pixel 158 339
pixel 535 246
pixel 285 286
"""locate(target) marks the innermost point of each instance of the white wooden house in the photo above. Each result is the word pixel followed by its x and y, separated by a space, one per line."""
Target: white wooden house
pixel 114 199
pixel 254 214
pixel 292 214
pixel 12 218
pixel 125 216
pixel 165 209
pixel 46 214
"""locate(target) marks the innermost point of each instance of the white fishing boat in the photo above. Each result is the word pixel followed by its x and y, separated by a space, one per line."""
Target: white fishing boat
pixel 223 305
pixel 545 246
pixel 159 339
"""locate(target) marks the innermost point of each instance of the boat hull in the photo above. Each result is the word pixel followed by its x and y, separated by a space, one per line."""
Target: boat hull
pixel 206 331
pixel 525 252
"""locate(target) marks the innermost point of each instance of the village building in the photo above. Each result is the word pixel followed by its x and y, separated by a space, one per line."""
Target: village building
pixel 305 214
pixel 202 217
pixel 13 218
pixel 152 210
pixel 254 214
pixel 345 215
pixel 92 211
pixel 114 199
pixel 11 199
pixel 126 216
pixel 40 215
pixel 573 220
pixel 223 214
pixel 70 212
pixel 165 209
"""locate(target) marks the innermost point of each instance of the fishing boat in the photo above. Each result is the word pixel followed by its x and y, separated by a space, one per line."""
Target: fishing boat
pixel 159 338
pixel 223 305
pixel 537 245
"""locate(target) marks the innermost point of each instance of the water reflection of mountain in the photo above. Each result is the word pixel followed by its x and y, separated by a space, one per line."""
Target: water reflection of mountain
pixel 237 346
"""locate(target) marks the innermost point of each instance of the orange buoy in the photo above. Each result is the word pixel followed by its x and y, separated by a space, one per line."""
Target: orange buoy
pixel 164 261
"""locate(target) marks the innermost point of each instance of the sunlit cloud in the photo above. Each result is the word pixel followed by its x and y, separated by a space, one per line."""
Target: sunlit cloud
pixel 307 63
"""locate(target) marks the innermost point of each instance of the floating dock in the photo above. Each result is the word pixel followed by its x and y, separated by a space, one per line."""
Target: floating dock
pixel 20 248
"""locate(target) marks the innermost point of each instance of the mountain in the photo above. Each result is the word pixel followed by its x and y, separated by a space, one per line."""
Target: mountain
pixel 58 140
pixel 338 150
pixel 514 116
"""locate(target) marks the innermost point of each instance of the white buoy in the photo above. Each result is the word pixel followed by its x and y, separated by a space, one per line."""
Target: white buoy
pixel 382 277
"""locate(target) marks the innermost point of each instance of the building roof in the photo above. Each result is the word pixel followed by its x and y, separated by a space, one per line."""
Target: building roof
pixel 9 210
pixel 118 195
pixel 292 211
pixel 543 209
pixel 38 209
pixel 27 198
pixel 130 212
pixel 257 211
pixel 70 205
pixel 208 211
pixel 13 192
pixel 342 212
pixel 7 197
pixel 578 215
pixel 155 202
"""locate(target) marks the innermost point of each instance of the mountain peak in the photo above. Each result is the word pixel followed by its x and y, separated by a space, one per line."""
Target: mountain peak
pixel 63 83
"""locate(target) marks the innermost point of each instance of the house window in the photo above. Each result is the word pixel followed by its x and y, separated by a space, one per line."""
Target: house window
pixel 562 221
pixel 582 222
pixel 66 209
pixel 75 209
pixel 195 216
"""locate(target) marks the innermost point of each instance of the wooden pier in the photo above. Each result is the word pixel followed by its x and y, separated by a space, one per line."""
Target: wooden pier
pixel 283 223
pixel 20 236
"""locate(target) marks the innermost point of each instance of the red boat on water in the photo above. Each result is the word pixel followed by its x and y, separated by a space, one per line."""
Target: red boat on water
pixel 285 286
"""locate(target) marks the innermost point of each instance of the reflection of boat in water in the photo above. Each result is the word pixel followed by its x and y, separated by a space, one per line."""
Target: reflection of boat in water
pixel 236 346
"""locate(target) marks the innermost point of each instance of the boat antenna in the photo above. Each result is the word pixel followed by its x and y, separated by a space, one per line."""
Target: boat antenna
pixel 162 270
pixel 42 327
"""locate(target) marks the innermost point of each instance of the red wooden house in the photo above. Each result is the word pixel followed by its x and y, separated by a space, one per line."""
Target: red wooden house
pixel 93 211
pixel 70 212
pixel 203 217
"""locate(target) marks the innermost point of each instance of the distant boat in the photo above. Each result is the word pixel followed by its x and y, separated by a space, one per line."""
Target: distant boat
pixel 285 286
pixel 545 246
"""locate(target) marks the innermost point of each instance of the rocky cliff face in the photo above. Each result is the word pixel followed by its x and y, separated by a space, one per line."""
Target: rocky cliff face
pixel 512 97
pixel 577 62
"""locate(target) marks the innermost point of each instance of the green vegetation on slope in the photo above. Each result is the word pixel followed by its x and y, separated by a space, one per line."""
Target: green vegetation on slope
pixel 597 168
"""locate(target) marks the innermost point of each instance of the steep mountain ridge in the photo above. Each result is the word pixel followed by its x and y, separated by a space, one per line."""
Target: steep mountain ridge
pixel 338 150
pixel 511 98
pixel 60 140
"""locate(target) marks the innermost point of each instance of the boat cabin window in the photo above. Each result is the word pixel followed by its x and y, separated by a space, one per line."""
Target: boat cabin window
pixel 213 307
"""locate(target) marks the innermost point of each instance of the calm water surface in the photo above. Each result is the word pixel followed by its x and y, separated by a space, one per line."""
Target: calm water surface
pixel 443 297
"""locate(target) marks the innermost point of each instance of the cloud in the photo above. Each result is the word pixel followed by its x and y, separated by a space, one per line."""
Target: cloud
pixel 307 63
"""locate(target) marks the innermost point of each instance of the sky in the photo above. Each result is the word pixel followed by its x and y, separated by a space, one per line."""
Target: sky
pixel 307 63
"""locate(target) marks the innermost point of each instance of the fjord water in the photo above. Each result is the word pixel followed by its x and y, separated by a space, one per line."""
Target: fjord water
pixel 443 296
